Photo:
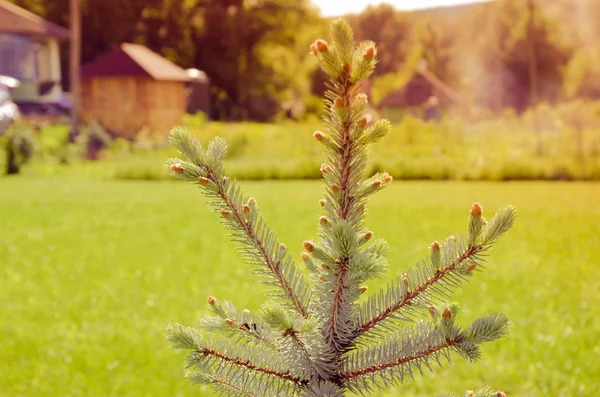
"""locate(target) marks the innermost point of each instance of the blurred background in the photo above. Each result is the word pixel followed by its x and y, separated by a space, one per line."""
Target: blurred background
pixel 493 101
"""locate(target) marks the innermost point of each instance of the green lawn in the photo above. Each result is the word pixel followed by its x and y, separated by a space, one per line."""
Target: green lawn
pixel 92 271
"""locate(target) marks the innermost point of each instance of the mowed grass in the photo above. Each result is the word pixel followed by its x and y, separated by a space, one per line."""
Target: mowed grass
pixel 92 271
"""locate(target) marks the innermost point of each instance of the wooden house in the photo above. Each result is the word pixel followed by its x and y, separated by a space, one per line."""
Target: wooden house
pixel 424 96
pixel 132 89
pixel 29 52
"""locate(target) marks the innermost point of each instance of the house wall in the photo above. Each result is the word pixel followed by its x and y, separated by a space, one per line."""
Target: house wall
pixel 126 105
pixel 49 70
pixel 31 62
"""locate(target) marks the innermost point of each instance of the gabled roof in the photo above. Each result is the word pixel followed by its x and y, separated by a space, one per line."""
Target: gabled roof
pixel 17 20
pixel 418 90
pixel 134 60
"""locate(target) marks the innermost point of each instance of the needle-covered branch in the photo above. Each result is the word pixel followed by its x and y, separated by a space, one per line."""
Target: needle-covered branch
pixel 240 215
pixel 436 276
pixel 319 341
pixel 243 326
pixel 233 361
pixel 388 363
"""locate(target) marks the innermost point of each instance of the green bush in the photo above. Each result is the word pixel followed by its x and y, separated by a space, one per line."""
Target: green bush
pixel 501 149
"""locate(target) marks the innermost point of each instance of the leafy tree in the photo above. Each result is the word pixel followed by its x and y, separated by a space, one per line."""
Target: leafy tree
pixel 315 338
pixel 499 64
pixel 240 44
pixel 437 45
pixel 389 28
pixel 582 74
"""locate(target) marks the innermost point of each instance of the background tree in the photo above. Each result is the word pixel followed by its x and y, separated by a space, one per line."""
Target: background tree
pixel 389 28
pixel 436 40
pixel 500 60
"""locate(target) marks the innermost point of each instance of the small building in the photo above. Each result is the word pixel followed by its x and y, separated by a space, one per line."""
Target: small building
pixel 29 52
pixel 132 89
pixel 424 96
pixel 198 92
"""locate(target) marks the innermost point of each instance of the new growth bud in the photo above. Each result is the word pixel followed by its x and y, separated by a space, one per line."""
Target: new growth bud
pixel 322 45
pixel 362 97
pixel 436 255
pixel 177 168
pixel 470 393
pixel 363 289
pixel 322 202
pixel 309 245
pixel 368 235
pixel 203 181
pixel 347 69
pixel 225 179
pixel 246 208
pixel 323 220
pixel 362 123
pixel 376 184
pixel 475 224
pixel 387 178
pixel 211 300
pixel 314 49
pixel 370 53
pixel 229 322
pixel 339 103
pixel 282 247
pixel 451 238
pixel 225 214
pixel 319 135
pixel 447 314
pixel 476 209
pixel 500 394
pixel 470 267
pixel 325 168
pixel 324 266
pixel 335 188
pixel 405 279
pixel 252 201
pixel 304 256
pixel 431 310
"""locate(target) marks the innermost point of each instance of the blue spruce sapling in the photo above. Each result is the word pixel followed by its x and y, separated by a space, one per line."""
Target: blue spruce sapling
pixel 316 338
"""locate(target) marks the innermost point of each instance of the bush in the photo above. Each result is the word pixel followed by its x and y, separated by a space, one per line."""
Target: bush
pixel 19 146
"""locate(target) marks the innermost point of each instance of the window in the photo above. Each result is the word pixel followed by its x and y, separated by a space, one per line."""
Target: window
pixel 18 57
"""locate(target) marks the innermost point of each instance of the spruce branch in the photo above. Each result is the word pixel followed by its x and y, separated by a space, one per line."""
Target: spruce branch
pixel 230 323
pixel 240 215
pixel 224 386
pixel 387 363
pixel 446 268
pixel 319 341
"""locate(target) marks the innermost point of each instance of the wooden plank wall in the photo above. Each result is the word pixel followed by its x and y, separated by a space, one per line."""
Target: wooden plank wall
pixel 126 105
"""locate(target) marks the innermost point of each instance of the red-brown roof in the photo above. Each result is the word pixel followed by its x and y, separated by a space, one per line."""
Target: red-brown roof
pixel 418 90
pixel 134 60
pixel 16 20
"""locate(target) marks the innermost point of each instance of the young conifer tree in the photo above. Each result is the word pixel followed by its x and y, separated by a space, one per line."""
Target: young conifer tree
pixel 317 338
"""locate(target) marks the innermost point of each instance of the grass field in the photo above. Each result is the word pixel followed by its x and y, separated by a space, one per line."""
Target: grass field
pixel 92 271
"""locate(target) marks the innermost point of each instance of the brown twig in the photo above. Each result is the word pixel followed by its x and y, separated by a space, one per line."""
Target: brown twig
pixel 273 265
pixel 253 367
pixel 400 361
pixel 411 295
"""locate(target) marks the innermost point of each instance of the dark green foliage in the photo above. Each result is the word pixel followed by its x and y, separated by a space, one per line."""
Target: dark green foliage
pixel 19 146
